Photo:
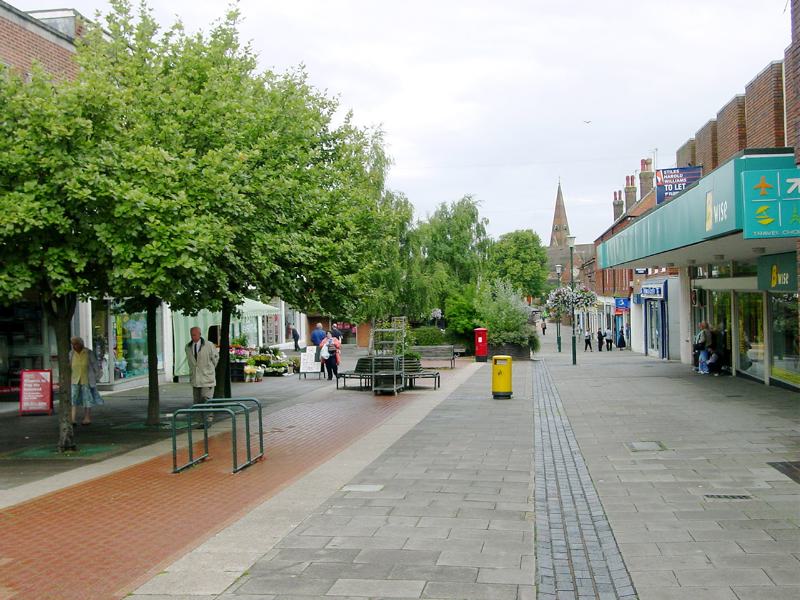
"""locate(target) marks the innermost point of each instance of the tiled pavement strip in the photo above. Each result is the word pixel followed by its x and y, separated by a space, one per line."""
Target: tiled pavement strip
pixel 576 551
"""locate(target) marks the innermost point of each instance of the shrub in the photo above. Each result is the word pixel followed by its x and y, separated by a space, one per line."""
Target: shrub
pixel 505 315
pixel 428 336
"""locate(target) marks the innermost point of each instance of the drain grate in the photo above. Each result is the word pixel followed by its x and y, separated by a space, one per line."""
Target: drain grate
pixel 645 446
pixel 790 469
pixel 727 497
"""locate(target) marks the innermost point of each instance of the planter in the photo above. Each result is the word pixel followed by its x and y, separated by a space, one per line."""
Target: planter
pixel 515 351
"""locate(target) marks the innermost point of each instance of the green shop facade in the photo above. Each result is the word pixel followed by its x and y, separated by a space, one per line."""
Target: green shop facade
pixel 732 237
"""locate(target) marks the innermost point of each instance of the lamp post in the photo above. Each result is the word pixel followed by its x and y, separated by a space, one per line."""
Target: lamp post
pixel 559 268
pixel 571 244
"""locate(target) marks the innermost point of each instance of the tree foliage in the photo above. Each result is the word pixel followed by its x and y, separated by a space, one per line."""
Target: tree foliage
pixel 519 258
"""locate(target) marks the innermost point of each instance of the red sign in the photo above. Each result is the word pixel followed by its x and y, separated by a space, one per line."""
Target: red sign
pixel 36 393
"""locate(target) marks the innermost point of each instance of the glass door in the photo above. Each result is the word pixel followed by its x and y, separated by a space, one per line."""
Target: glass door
pixel 750 322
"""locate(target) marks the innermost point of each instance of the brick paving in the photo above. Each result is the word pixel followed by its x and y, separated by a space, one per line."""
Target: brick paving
pixel 102 538
pixel 576 552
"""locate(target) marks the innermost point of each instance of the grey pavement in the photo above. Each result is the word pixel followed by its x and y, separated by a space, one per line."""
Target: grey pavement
pixel 621 477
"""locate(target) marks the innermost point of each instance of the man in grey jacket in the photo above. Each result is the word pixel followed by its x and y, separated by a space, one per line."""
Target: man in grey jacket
pixel 203 357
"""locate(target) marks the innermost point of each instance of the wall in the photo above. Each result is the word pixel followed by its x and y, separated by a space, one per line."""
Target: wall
pixel 706 149
pixel 24 40
pixel 764 108
pixel 731 132
pixel 686 155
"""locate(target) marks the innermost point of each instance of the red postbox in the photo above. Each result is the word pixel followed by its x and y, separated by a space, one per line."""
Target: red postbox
pixel 481 344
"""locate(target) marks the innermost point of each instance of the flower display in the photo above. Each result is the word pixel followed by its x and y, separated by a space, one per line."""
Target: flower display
pixel 562 300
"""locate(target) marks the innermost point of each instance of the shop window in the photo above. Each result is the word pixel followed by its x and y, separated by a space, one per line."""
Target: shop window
pixel 745 269
pixel 750 320
pixel 719 322
pixel 129 343
pixel 21 343
pixel 721 270
pixel 785 341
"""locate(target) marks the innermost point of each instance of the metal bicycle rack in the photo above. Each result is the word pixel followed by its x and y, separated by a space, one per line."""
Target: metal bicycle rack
pixel 230 406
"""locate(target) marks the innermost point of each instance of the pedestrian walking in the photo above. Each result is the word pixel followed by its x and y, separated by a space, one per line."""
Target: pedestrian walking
pixel 203 357
pixel 316 337
pixel 544 327
pixel 85 373
pixel 587 341
pixel 621 343
pixel 600 337
pixel 296 338
pixel 329 353
pixel 609 339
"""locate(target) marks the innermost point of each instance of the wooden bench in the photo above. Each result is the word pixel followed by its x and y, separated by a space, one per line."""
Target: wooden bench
pixel 437 353
pixel 412 370
pixel 362 372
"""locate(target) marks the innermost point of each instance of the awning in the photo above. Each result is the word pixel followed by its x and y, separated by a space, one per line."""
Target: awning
pixel 254 308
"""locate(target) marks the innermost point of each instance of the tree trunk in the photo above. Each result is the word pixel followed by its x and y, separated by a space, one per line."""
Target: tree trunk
pixel 60 311
pixel 223 387
pixel 153 400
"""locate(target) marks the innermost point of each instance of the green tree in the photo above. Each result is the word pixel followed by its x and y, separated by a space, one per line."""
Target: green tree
pixel 519 258
pixel 55 188
pixel 503 312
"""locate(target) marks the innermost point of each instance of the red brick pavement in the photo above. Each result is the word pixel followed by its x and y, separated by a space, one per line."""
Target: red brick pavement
pixel 105 537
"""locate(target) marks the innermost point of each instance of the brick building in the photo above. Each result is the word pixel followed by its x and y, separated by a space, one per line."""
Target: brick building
pixel 725 249
pixel 26 39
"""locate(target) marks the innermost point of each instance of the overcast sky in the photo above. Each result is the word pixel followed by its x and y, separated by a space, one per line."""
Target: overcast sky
pixel 491 98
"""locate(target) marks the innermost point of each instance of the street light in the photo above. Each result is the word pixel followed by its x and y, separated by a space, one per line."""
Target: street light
pixel 559 268
pixel 571 244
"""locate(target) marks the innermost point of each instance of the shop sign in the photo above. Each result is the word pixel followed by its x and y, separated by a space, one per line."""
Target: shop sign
pixel 771 203
pixel 308 362
pixel 622 304
pixel 778 272
pixel 652 290
pixel 36 393
pixel 671 182
pixel 640 270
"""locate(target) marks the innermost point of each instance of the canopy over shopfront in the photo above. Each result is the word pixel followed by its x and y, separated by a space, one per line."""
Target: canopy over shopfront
pixel 733 236
pixel 247 322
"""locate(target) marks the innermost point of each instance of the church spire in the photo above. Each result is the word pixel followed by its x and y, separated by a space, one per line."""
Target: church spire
pixel 560 229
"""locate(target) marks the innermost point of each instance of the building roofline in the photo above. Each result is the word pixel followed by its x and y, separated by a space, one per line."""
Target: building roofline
pixel 29 18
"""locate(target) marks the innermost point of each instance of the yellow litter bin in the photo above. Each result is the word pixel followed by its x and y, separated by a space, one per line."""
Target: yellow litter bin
pixel 501 376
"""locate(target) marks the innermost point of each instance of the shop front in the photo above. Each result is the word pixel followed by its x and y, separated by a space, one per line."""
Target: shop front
pixel 731 239
pixel 27 341
pixel 660 331
pixel 119 340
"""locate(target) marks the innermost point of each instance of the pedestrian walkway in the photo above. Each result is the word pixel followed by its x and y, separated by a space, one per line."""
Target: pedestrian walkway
pixel 649 482
pixel 104 537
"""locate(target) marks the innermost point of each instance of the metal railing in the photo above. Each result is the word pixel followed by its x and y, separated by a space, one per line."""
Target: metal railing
pixel 230 406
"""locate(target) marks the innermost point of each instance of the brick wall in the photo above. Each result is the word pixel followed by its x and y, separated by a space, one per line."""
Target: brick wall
pixel 764 108
pixel 791 70
pixel 23 42
pixel 686 156
pixel 731 132
pixel 706 146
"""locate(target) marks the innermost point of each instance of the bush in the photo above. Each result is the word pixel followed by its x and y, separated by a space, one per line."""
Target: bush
pixel 462 318
pixel 505 315
pixel 428 336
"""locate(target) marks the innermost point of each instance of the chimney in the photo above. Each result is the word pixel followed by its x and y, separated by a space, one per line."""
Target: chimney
pixel 630 192
pixel 617 205
pixel 646 176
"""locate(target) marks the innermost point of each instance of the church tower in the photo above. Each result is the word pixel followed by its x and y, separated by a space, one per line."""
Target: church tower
pixel 560 230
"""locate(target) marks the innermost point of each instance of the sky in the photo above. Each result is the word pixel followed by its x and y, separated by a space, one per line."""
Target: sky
pixel 502 99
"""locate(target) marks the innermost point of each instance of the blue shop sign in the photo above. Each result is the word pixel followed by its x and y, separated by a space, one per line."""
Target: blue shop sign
pixel 771 203
pixel 622 303
pixel 653 290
